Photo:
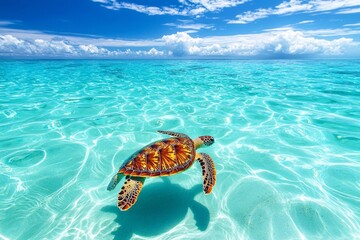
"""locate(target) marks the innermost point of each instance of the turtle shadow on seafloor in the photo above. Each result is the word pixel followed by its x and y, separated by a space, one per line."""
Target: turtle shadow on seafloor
pixel 160 207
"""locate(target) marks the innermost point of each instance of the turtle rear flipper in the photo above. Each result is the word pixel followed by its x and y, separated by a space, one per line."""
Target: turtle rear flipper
pixel 130 192
pixel 114 181
pixel 208 171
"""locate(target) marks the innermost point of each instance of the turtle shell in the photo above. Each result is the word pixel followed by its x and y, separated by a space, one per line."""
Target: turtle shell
pixel 161 158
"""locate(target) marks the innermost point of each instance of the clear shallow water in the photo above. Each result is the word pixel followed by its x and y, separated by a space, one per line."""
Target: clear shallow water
pixel 287 148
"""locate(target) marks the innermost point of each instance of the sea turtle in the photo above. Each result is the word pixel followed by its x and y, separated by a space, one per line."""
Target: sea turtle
pixel 163 158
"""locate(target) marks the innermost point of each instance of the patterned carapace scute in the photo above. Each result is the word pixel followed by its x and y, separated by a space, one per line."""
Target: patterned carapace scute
pixel 161 158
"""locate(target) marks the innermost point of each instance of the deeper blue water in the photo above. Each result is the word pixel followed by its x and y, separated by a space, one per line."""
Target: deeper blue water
pixel 287 148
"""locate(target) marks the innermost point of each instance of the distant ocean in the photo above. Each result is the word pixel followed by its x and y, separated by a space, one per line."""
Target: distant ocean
pixel 287 148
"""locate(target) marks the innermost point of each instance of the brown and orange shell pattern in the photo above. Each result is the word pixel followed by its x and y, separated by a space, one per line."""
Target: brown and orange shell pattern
pixel 161 158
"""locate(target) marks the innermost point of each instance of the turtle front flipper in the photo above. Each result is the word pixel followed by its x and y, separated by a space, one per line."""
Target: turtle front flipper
pixel 174 134
pixel 130 192
pixel 114 181
pixel 208 171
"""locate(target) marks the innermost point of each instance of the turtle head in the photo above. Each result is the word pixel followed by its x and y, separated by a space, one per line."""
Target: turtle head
pixel 203 141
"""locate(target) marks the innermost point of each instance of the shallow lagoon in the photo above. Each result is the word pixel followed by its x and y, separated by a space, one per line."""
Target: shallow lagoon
pixel 287 148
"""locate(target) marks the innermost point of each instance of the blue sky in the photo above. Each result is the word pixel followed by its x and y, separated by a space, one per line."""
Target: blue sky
pixel 179 28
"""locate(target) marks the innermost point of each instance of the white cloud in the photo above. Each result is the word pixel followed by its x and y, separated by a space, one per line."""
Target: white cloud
pixel 251 16
pixel 287 42
pixel 181 43
pixel 349 11
pixel 278 42
pixel 199 7
pixel 10 45
pixel 332 32
pixel 154 52
pixel 186 7
pixel 197 11
pixel 79 40
pixel 214 5
pixel 115 5
pixel 147 10
pixel 6 23
pixel 306 22
pixel 291 7
pixel 13 46
pixel 296 6
pixel 188 25
pixel 52 47
pixel 352 25
pixel 92 49
pixel 101 1
pixel 327 5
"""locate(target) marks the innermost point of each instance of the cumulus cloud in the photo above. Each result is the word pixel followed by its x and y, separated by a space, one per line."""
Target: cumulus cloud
pixel 282 42
pixel 79 40
pixel 296 6
pixel 10 45
pixel 288 42
pixel 92 49
pixel 13 46
pixel 181 43
pixel 43 47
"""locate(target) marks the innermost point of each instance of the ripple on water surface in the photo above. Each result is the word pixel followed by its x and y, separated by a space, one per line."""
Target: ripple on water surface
pixel 25 158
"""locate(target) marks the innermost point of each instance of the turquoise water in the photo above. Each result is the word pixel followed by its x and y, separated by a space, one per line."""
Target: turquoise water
pixel 287 148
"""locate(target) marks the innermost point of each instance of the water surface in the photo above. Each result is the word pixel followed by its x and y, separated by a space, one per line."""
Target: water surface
pixel 287 148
